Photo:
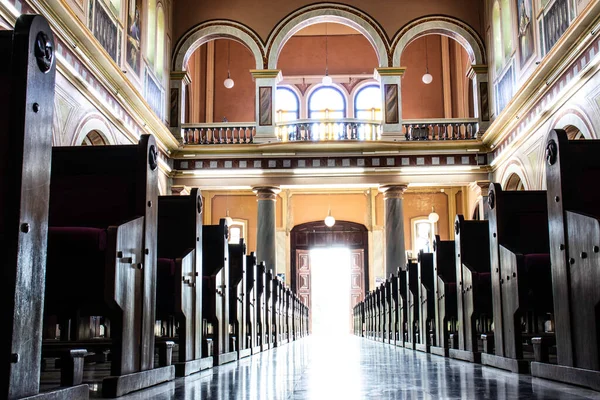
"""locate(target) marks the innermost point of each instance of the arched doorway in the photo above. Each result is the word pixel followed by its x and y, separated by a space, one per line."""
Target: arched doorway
pixel 316 235
pixel 514 182
pixel 94 138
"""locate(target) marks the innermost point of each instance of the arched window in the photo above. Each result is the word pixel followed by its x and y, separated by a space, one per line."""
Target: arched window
pixel 151 31
pixel 326 103
pixel 160 42
pixel 507 33
pixel 288 105
pixel 497 34
pixel 573 133
pixel 422 235
pixel 237 231
pixel 367 103
pixel 94 138
pixel 514 182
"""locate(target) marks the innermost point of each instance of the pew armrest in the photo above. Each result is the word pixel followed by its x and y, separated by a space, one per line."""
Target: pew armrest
pixel 488 343
pixel 165 353
pixel 541 348
pixel 71 367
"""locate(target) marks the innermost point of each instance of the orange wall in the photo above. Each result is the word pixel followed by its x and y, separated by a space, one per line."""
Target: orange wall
pixel 305 55
pixel 243 207
pixel 344 207
pixel 419 205
pixel 418 99
pixel 237 103
pixel 263 15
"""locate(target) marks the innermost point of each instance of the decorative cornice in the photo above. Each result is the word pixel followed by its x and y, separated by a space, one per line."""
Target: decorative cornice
pixel 389 71
pixel 183 76
pixel 266 73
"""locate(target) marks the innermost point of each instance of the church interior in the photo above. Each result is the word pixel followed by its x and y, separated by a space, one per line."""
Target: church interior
pixel 365 199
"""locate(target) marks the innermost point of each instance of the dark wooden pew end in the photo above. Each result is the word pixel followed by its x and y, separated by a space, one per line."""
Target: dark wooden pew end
pixel 488 358
pixel 117 386
pixel 574 376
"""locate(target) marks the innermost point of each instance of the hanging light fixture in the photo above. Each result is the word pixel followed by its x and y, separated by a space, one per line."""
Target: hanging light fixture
pixel 327 79
pixel 427 78
pixel 228 82
pixel 329 220
pixel 433 216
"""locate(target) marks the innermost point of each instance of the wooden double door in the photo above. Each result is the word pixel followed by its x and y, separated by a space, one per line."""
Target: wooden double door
pixel 313 235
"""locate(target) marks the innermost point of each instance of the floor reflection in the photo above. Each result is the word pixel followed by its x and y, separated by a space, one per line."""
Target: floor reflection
pixel 349 368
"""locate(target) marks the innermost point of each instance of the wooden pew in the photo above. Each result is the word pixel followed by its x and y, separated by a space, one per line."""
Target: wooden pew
pixel 288 313
pixel 237 298
pixel 388 337
pixel 444 266
pixel 268 316
pixel 474 291
pixel 521 274
pixel 402 308
pixel 251 305
pixel 215 295
pixel 179 277
pixel 426 292
pixel 368 319
pixel 260 306
pixel 116 236
pixel 378 312
pixel 573 197
pixel 412 305
pixel 26 114
pixel 394 310
pixel 276 312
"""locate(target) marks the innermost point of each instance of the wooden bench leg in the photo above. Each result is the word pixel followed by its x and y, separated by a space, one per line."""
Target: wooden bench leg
pixel 541 349
pixel 71 367
pixel 165 353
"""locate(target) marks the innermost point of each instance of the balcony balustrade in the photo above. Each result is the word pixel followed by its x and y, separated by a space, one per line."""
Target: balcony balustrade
pixel 342 129
pixel 440 129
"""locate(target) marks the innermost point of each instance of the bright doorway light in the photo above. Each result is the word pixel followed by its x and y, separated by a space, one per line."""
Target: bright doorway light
pixel 330 280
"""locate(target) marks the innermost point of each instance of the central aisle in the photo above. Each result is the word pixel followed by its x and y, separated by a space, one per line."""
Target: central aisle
pixel 350 368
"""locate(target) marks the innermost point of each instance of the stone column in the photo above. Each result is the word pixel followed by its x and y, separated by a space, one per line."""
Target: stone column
pixel 179 81
pixel 266 249
pixel 479 75
pixel 391 91
pixel 395 255
pixel 266 85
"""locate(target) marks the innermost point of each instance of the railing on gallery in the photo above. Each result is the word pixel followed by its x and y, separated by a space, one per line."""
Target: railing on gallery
pixel 313 130
pixel 219 133
pixel 440 129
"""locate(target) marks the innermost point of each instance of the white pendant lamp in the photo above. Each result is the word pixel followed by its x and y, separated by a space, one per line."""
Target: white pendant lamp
pixel 427 78
pixel 433 216
pixel 329 220
pixel 228 83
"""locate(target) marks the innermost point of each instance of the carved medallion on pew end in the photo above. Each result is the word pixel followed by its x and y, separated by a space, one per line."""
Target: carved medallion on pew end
pixel 551 150
pixel 491 200
pixel 456 227
pixel 44 52
pixel 153 158
pixel 199 205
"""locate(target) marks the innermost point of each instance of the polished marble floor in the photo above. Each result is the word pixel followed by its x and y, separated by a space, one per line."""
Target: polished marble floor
pixel 349 368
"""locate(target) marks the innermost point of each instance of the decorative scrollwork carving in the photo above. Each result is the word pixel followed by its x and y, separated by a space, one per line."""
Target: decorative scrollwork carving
pixel 44 52
pixel 551 152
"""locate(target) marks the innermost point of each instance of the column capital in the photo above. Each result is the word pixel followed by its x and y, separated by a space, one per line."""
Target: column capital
pixel 182 76
pixel 267 74
pixel 388 71
pixel 477 69
pixel 393 191
pixel 266 192
pixel 484 186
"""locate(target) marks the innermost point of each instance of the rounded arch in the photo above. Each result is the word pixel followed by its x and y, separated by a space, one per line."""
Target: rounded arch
pixel 513 174
pixel 298 97
pixel 440 25
pixel 327 12
pixel 92 122
pixel 354 93
pixel 575 118
pixel 203 33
